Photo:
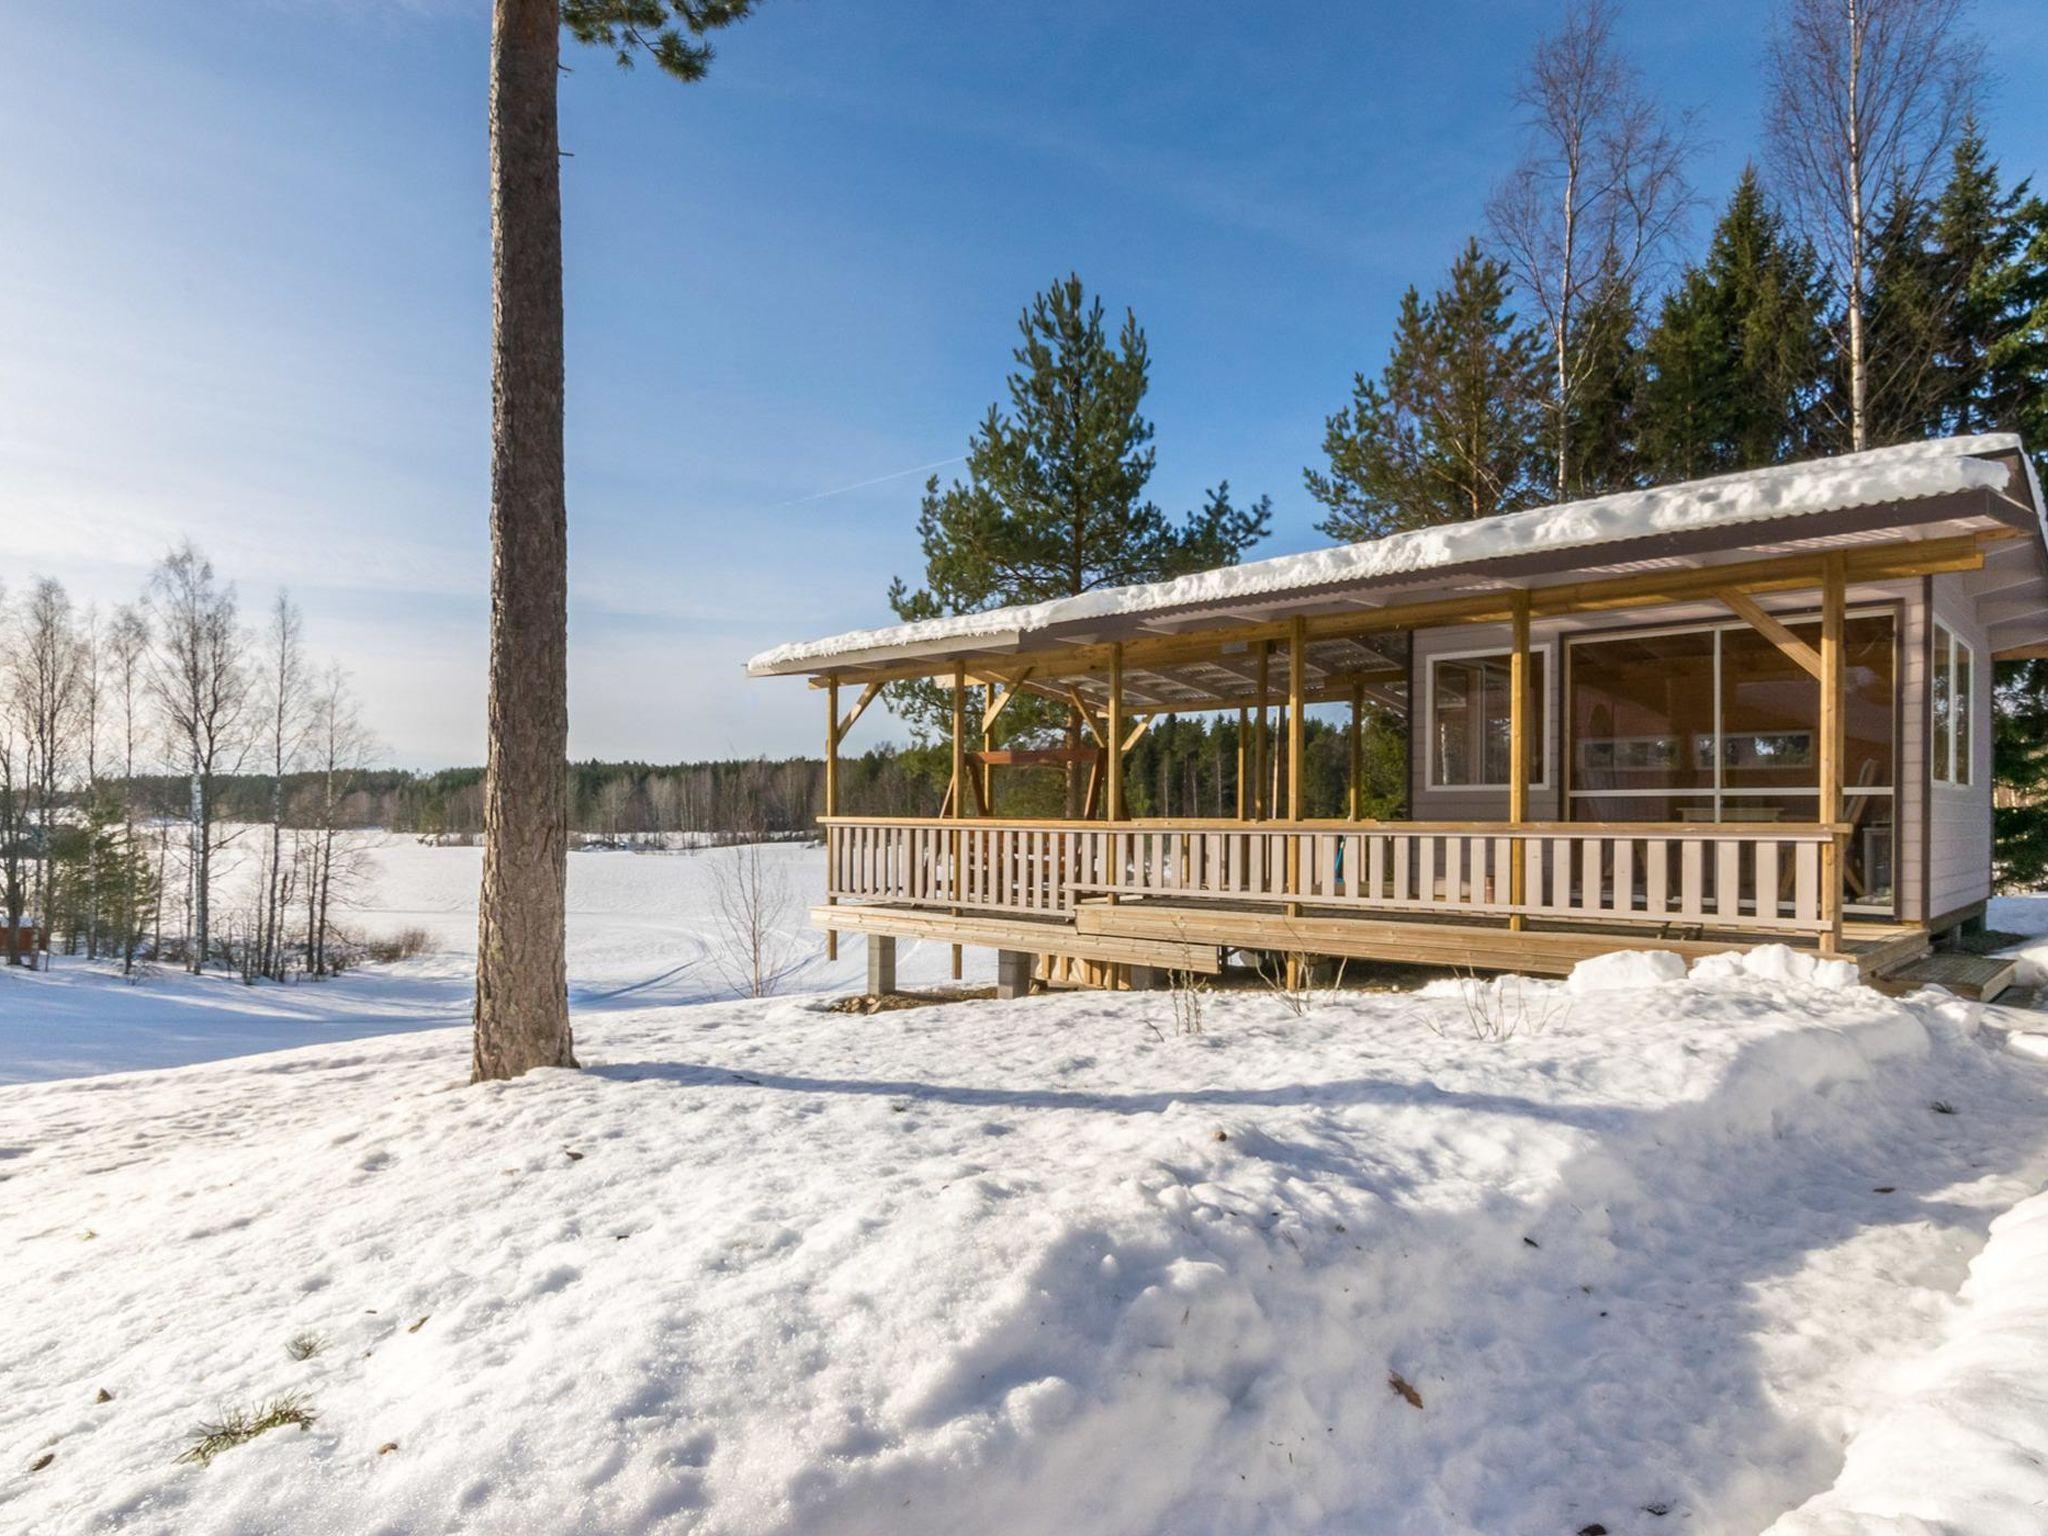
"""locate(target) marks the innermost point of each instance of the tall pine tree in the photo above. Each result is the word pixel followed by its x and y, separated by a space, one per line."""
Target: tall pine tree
pixel 1053 503
pixel 1738 355
pixel 1450 429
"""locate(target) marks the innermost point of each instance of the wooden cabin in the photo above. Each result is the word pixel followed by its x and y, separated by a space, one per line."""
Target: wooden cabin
pixel 1748 709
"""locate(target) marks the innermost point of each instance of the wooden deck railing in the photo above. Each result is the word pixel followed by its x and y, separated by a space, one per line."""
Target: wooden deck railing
pixel 1642 872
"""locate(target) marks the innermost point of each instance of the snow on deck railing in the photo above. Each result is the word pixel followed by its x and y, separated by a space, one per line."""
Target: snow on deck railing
pixel 1625 872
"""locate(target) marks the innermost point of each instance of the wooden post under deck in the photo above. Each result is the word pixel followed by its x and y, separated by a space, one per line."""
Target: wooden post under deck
pixel 959 783
pixel 1518 753
pixel 1833 600
pixel 831 791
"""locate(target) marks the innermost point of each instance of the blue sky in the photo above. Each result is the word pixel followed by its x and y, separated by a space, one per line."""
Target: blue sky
pixel 244 294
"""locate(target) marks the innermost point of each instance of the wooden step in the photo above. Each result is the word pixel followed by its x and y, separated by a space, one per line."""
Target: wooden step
pixel 1981 977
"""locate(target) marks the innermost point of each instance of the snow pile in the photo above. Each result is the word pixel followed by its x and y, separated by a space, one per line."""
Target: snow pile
pixel 1776 965
pixel 1907 472
pixel 1964 1449
pixel 2026 916
pixel 1042 1267
pixel 1625 970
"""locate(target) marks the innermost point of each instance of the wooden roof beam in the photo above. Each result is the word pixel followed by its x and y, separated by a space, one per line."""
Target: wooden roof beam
pixel 1745 608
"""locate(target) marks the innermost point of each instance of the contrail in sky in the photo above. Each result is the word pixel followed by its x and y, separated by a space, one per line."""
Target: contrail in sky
pixel 861 485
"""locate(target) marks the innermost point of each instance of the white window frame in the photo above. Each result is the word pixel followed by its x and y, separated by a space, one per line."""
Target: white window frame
pixel 1962 664
pixel 1544 648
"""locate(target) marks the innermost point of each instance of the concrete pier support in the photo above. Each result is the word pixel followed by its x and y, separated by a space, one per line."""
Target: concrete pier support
pixel 881 965
pixel 1013 974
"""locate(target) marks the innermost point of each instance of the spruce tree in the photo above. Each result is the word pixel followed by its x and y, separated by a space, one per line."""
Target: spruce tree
pixel 1738 356
pixel 1990 247
pixel 1053 503
pixel 1450 429
pixel 1912 303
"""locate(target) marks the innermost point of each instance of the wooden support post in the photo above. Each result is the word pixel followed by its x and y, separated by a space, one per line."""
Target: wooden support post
pixel 1297 686
pixel 1833 601
pixel 1113 769
pixel 1355 801
pixel 988 774
pixel 1244 725
pixel 1518 756
pixel 1113 735
pixel 959 789
pixel 1259 733
pixel 831 795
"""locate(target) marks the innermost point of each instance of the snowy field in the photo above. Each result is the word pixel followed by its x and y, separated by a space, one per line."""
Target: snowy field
pixel 643 931
pixel 1700 1254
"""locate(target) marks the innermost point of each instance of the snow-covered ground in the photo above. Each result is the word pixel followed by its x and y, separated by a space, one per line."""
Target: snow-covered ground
pixel 643 930
pixel 1659 1265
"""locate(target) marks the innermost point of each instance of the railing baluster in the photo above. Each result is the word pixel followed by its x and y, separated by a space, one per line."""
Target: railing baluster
pixel 1728 879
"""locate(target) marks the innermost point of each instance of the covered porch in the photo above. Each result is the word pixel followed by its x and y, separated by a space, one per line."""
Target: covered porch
pixel 1617 798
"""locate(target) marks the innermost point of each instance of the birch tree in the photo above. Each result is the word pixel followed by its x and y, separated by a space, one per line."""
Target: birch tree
pixel 1591 207
pixel 127 650
pixel 1866 97
pixel 283 730
pixel 338 749
pixel 198 680
pixel 46 661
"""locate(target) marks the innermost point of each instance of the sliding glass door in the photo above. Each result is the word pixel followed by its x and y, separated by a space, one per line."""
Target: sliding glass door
pixel 1715 724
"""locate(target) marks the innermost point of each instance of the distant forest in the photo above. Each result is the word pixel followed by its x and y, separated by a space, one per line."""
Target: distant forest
pixel 1183 767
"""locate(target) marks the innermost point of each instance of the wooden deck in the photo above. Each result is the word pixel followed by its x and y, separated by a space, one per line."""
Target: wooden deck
pixel 1196 936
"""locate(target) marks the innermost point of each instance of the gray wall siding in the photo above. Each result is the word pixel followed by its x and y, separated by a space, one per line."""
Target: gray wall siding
pixel 1959 819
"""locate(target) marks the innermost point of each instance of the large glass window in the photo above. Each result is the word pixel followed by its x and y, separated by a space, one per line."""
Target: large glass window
pixel 1642 727
pixel 1719 725
pixel 1469 725
pixel 1953 684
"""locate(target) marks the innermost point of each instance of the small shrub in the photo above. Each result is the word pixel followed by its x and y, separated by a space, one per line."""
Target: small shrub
pixel 1292 979
pixel 1190 992
pixel 1498 1010
pixel 238 1426
pixel 405 944
pixel 304 1346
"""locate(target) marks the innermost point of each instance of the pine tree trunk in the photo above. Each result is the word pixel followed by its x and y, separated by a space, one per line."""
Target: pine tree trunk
pixel 522 1011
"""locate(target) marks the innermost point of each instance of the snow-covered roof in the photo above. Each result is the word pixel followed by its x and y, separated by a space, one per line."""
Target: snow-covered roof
pixel 1880 476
